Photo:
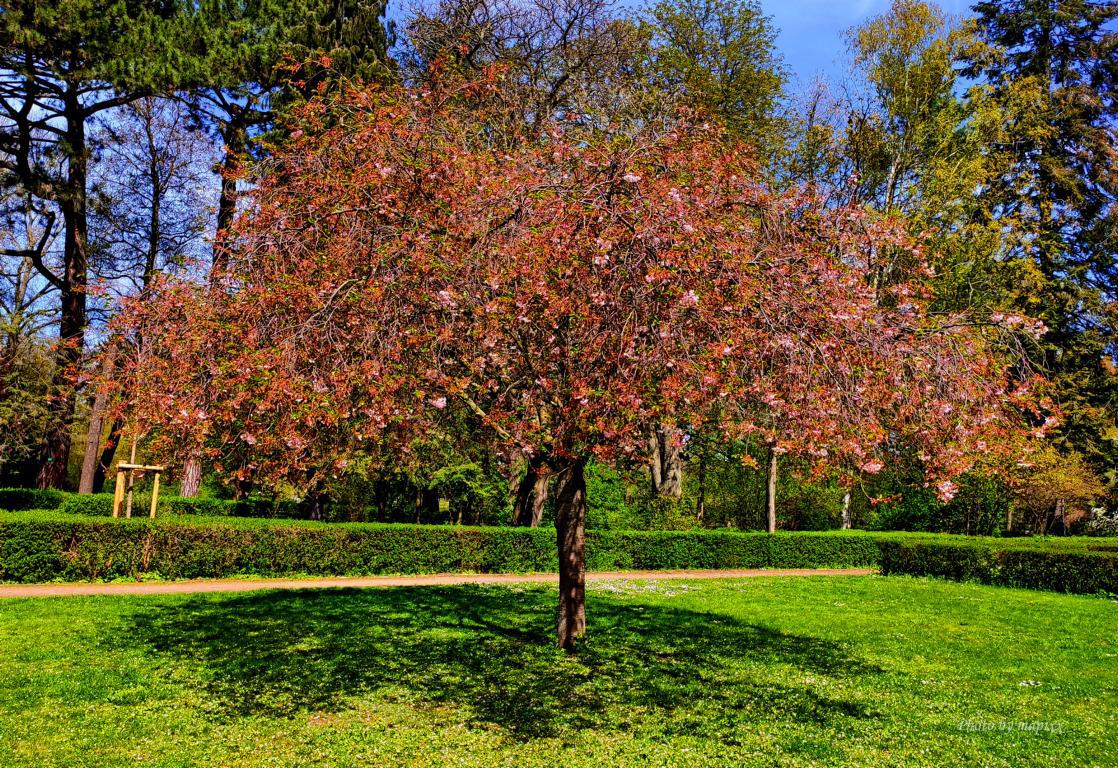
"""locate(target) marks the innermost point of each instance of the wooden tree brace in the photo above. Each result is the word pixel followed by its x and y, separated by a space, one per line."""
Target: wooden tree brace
pixel 126 475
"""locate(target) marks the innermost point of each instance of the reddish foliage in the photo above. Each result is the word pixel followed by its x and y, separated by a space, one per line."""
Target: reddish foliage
pixel 402 258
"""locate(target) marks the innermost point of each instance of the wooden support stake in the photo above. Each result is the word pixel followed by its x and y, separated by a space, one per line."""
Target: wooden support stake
pixel 154 495
pixel 131 477
pixel 118 494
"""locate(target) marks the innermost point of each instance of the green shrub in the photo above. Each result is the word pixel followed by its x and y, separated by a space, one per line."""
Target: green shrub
pixel 31 498
pixel 266 508
pixel 45 545
pixel 94 504
pixel 69 547
pixel 607 507
pixel 979 508
pixel 180 505
pixel 1057 570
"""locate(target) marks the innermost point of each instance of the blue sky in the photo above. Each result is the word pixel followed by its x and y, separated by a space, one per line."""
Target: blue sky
pixel 811 30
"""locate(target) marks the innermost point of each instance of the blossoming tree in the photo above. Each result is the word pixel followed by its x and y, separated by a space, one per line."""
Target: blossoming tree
pixel 402 258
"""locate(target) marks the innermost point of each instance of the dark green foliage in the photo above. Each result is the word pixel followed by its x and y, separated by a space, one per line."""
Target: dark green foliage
pixel 251 507
pixel 31 498
pixel 95 505
pixel 607 506
pixel 197 505
pixel 978 509
pixel 1086 572
pixel 39 546
pixel 806 506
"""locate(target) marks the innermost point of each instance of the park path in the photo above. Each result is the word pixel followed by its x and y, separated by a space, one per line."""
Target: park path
pixel 442 579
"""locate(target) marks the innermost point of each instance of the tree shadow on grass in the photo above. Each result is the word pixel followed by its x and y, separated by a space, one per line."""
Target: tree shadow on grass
pixel 490 650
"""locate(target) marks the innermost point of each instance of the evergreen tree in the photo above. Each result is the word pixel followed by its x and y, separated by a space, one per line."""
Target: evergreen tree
pixel 63 63
pixel 262 53
pixel 1052 65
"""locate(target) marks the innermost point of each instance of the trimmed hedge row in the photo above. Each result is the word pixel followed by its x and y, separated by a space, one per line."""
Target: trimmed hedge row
pixel 45 546
pixel 1087 572
pixel 101 505
pixel 31 498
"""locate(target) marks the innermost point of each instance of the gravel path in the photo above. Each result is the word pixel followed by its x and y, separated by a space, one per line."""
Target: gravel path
pixel 247 585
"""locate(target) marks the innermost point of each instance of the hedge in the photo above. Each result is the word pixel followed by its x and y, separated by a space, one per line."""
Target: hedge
pixel 1087 572
pixel 31 498
pixel 43 546
pixel 46 545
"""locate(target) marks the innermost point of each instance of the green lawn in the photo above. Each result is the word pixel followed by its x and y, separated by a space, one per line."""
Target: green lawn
pixel 823 671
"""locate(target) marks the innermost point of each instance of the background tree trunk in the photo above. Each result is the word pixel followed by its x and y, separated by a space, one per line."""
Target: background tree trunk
pixel 570 526
pixel 108 453
pixel 701 501
pixel 191 477
pixel 235 136
pixel 846 511
pixel 666 461
pixel 93 443
pixel 531 496
pixel 770 493
pixel 91 459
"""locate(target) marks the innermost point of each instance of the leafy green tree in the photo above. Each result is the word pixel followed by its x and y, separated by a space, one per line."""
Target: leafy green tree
pixel 1052 67
pixel 720 56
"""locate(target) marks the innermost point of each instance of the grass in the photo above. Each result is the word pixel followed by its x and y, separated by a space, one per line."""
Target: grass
pixel 799 672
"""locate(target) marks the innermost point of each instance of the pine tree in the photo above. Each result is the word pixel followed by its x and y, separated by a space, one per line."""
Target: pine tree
pixel 260 56
pixel 62 64
pixel 1053 67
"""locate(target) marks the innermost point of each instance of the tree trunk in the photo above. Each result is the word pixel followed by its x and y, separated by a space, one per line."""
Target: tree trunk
pixel 108 453
pixel 426 503
pixel 96 428
pixel 846 511
pixel 701 501
pixel 54 456
pixel 666 461
pixel 531 496
pixel 570 526
pixel 770 494
pixel 191 477
pixel 235 136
